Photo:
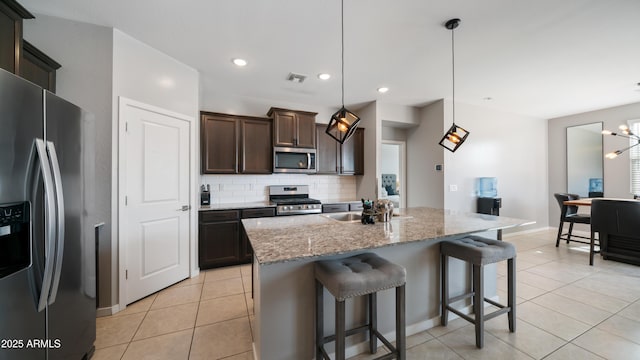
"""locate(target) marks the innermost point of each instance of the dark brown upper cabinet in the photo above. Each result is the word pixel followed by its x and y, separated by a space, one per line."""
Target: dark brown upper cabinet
pixel 37 67
pixel 328 152
pixel 352 154
pixel 19 56
pixel 292 128
pixel 232 144
pixel 255 148
pixel 345 159
pixel 11 15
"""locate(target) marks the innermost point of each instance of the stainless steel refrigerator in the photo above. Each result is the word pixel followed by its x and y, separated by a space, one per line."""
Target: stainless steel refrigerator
pixel 47 242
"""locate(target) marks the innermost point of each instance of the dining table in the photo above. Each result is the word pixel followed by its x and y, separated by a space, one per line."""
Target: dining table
pixel 579 202
pixel 587 201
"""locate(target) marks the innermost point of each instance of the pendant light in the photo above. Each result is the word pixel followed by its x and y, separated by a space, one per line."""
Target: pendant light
pixel 626 134
pixel 456 135
pixel 344 122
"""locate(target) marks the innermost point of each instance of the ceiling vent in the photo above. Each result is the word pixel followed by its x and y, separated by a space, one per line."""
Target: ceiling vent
pixel 296 78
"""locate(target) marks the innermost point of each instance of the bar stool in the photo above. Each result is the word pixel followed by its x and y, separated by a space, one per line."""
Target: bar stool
pixel 363 274
pixel 479 251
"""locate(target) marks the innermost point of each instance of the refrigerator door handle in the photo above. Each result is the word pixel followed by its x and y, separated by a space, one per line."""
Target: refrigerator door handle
pixel 55 166
pixel 50 231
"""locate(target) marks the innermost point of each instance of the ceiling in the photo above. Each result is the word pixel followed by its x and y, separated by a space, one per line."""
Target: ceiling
pixel 543 58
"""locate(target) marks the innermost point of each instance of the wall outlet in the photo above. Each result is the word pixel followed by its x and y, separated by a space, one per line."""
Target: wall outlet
pixel 453 187
pixel 438 167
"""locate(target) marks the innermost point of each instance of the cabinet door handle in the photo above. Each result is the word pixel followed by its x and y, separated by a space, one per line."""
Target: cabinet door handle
pixel 184 208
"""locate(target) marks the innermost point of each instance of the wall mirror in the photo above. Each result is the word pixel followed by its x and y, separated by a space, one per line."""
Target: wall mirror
pixel 585 160
pixel 392 172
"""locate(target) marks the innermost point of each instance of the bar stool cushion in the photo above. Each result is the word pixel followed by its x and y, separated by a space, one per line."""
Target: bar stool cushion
pixel 478 250
pixel 358 275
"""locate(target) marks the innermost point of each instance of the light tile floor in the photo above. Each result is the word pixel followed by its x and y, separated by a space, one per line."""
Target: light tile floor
pixel 566 310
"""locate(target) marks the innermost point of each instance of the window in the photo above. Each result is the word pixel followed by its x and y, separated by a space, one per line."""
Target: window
pixel 634 156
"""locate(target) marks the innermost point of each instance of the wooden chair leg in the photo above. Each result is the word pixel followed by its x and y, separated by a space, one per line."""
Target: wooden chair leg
pixel 591 248
pixel 559 233
pixel 570 231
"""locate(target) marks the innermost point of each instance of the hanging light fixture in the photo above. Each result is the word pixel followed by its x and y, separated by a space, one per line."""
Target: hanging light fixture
pixel 344 122
pixel 626 133
pixel 456 135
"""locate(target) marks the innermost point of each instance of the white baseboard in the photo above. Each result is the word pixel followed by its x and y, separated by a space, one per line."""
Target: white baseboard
pixel 107 311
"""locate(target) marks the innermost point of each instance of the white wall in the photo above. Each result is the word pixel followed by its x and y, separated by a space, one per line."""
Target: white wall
pixel 215 99
pixel 85 53
pixel 144 74
pixel 616 171
pixel 424 184
pixel 390 159
pixel 401 115
pixel 510 147
pixel 391 132
pixel 366 185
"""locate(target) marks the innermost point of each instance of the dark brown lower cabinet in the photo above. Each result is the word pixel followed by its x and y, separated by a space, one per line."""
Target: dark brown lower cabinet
pixel 218 238
pixel 222 240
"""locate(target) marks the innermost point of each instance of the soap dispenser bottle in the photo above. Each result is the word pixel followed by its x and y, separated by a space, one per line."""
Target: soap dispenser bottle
pixel 205 195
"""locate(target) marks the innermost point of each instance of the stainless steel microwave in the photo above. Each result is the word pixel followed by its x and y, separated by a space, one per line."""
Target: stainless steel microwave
pixel 294 160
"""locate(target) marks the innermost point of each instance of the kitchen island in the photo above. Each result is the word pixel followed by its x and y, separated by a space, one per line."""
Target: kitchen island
pixel 286 247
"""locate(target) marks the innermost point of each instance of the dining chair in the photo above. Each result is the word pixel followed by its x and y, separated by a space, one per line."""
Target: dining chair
pixel 570 214
pixel 618 227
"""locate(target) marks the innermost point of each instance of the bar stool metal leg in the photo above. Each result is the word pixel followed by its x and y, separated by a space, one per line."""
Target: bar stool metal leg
pixel 444 262
pixel 340 330
pixel 373 322
pixel 511 289
pixel 400 323
pixel 319 320
pixel 478 304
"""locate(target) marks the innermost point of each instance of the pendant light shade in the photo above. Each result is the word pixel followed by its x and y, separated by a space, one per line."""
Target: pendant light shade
pixel 454 138
pixel 343 123
pixel 456 135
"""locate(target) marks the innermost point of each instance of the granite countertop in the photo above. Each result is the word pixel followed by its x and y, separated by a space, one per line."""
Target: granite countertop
pixel 232 206
pixel 288 238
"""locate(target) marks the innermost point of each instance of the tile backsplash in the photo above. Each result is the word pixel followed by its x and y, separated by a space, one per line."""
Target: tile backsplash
pixel 250 188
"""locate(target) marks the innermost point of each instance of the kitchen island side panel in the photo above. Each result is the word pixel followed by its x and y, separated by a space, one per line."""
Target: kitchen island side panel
pixel 284 300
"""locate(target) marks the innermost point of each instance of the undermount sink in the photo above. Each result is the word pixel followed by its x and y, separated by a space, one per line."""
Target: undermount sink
pixel 356 217
pixel 346 217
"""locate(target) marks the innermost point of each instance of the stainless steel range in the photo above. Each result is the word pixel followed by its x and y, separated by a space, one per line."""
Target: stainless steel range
pixel 293 200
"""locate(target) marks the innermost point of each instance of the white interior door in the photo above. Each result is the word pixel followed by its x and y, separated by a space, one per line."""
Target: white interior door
pixel 154 219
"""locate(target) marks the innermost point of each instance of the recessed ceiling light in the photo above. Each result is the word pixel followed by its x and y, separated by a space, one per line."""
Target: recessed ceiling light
pixel 239 62
pixel 383 90
pixel 324 76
